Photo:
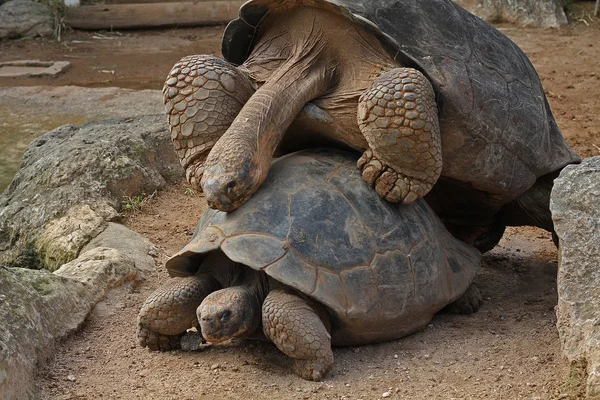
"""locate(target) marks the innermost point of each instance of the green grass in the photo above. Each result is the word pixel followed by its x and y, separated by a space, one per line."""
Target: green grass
pixel 136 203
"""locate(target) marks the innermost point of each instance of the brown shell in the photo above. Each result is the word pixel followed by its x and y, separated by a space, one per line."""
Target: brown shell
pixel 498 132
pixel 382 270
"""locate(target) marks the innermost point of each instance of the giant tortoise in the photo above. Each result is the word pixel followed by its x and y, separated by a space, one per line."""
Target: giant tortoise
pixel 433 96
pixel 326 258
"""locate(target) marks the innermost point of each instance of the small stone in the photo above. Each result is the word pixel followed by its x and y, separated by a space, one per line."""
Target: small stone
pixel 386 394
pixel 215 366
pixel 71 378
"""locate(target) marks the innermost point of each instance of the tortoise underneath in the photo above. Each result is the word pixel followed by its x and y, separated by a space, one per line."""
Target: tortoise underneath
pixel 315 258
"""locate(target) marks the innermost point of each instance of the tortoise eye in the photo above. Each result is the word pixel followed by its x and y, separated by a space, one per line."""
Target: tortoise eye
pixel 230 186
pixel 225 315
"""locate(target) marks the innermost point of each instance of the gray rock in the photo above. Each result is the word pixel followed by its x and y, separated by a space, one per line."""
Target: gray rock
pixel 191 341
pixel 39 307
pixel 575 206
pixel 95 165
pixel 532 13
pixel 48 107
pixel 130 243
pixel 100 269
pixel 63 238
pixel 32 68
pixel 25 18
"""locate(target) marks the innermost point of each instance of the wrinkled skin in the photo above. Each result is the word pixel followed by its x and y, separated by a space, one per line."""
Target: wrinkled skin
pixel 307 55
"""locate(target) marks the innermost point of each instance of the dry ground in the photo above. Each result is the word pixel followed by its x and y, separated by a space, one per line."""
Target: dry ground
pixel 509 350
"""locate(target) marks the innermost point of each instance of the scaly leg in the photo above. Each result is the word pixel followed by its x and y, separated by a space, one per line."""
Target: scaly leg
pixel 469 303
pixel 202 96
pixel 398 117
pixel 296 329
pixel 169 311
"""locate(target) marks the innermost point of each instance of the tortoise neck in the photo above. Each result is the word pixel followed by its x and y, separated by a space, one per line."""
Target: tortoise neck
pixel 239 162
pixel 255 282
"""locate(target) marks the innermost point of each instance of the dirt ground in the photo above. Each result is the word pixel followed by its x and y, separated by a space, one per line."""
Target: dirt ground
pixel 508 350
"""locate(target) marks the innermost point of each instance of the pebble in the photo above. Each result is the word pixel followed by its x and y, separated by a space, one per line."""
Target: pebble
pixel 386 394
pixel 71 378
pixel 191 341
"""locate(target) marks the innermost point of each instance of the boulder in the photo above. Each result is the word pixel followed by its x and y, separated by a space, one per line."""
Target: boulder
pixel 73 179
pixel 25 18
pixel 38 307
pixel 128 242
pixel 532 13
pixel 63 238
pixel 575 206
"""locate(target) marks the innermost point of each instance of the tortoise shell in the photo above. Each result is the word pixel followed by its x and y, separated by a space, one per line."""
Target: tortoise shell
pixel 381 269
pixel 498 132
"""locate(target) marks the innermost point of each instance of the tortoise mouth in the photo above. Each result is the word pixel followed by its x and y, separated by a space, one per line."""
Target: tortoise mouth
pixel 214 337
pixel 225 190
pixel 224 334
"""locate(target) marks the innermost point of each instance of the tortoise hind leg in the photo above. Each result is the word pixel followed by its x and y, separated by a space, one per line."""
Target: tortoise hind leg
pixel 469 303
pixel 169 311
pixel 298 331
pixel 532 207
pixel 398 117
pixel 202 95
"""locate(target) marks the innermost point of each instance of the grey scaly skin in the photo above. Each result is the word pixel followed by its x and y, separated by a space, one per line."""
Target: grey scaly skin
pixel 202 96
pixel 237 312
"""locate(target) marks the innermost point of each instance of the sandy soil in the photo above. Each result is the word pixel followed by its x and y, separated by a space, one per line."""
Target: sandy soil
pixel 508 350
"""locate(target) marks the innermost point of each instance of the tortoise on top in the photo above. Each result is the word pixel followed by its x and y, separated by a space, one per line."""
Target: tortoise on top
pixel 316 259
pixel 424 89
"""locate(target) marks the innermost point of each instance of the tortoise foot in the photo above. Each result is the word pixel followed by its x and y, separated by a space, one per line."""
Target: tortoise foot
pixel 202 95
pixel 468 303
pixel 158 342
pixel 398 117
pixel 391 185
pixel 171 310
pixel 311 370
pixel 298 331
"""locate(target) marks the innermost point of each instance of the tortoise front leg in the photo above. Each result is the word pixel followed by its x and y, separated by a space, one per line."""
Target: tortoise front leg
pixel 202 96
pixel 398 117
pixel 170 310
pixel 296 329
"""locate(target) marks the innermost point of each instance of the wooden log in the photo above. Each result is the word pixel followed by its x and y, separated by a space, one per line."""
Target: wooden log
pixel 150 15
pixel 111 2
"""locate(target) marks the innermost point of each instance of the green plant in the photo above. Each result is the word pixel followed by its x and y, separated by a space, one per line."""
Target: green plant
pixel 58 10
pixel 568 6
pixel 28 257
pixel 136 203
pixel 189 191
pixel 574 385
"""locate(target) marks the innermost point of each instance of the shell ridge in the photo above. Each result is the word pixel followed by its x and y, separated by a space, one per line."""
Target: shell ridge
pixel 312 263
pixel 336 170
pixel 275 261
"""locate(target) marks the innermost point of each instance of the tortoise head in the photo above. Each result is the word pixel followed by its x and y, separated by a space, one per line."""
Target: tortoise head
pixel 228 185
pixel 230 313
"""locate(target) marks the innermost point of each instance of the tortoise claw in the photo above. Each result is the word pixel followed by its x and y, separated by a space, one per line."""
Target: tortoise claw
pixel 158 342
pixel 388 183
